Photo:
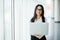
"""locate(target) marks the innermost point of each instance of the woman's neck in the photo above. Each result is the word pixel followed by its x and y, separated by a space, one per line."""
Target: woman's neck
pixel 38 17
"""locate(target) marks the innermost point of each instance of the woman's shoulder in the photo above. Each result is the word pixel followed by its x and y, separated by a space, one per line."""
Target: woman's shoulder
pixel 32 20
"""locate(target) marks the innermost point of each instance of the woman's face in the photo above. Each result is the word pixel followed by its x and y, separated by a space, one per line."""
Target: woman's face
pixel 39 11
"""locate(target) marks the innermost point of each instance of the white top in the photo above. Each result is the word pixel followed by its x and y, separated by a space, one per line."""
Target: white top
pixel 39 20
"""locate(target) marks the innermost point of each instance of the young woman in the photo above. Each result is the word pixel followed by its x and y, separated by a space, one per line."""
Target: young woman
pixel 38 17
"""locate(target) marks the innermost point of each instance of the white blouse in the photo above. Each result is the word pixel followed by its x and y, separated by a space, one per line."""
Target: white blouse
pixel 38 21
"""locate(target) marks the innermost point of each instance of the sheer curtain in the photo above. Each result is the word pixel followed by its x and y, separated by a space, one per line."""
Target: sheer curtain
pixel 1 21
pixel 11 20
pixel 6 20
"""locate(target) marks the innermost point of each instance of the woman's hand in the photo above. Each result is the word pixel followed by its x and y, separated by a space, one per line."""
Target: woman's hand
pixel 38 35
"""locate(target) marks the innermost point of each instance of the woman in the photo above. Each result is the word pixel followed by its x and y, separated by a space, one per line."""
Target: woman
pixel 38 17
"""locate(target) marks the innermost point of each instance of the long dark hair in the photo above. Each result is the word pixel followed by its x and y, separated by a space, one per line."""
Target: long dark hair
pixel 35 15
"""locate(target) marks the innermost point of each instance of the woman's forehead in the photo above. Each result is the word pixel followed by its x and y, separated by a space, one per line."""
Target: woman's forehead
pixel 39 7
